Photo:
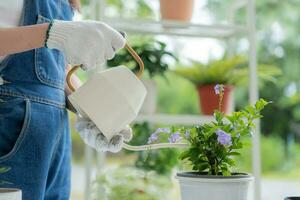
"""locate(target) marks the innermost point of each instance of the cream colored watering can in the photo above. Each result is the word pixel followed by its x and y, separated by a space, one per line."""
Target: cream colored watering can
pixel 112 99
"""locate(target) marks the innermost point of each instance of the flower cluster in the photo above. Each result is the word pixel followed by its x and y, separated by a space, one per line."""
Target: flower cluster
pixel 224 138
pixel 219 89
pixel 173 137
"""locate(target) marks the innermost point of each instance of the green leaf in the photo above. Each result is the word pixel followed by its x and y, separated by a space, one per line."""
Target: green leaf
pixel 261 104
pixel 237 146
pixel 184 155
pixel 202 167
pixel 225 171
pixel 234 154
pixel 4 169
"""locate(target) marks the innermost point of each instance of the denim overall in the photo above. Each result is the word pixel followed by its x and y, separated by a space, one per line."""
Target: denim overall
pixel 34 130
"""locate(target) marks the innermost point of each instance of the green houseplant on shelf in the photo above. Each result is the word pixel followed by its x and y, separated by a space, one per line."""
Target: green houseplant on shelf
pixel 229 72
pixel 153 54
pixel 210 149
pixel 8 193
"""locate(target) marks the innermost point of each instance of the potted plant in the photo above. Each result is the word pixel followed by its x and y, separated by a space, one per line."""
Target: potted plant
pixel 180 10
pixel 210 150
pixel 153 54
pixel 229 72
pixel 8 193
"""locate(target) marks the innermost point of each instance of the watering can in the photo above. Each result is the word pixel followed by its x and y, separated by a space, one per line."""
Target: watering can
pixel 111 99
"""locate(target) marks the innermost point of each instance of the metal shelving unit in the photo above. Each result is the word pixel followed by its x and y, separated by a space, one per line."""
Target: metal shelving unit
pixel 219 31
pixel 138 26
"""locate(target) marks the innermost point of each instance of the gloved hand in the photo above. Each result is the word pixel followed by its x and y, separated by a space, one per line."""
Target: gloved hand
pixel 84 42
pixel 93 137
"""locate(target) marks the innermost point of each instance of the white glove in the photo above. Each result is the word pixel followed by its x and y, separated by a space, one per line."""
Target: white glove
pixel 93 137
pixel 85 42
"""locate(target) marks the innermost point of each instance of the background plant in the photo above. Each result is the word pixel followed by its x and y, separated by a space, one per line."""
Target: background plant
pixel 153 53
pixel 224 71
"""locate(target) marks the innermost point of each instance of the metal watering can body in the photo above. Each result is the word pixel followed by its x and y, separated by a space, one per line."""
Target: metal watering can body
pixel 112 99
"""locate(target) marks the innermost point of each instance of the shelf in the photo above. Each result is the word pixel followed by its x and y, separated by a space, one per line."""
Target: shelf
pixel 174 119
pixel 175 28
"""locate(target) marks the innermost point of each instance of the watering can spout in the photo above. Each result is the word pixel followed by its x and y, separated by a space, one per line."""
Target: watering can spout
pixel 154 146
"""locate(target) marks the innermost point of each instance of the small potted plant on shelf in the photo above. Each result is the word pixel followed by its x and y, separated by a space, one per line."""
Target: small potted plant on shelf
pixel 210 150
pixel 229 72
pixel 153 54
pixel 8 193
pixel 176 10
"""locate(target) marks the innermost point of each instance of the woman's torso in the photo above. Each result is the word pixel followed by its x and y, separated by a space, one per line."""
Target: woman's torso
pixel 38 73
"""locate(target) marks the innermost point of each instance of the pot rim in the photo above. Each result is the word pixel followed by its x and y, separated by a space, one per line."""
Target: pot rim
pixel 9 190
pixel 194 176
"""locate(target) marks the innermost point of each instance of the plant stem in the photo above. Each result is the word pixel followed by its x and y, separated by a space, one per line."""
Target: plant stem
pixel 220 101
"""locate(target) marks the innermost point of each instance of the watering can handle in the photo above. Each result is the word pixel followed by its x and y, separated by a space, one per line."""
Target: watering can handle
pixel 130 50
pixel 138 74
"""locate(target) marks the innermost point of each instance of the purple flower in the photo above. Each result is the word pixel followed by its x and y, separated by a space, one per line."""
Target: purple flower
pixel 224 138
pixel 152 138
pixel 219 88
pixel 187 133
pixel 163 130
pixel 175 137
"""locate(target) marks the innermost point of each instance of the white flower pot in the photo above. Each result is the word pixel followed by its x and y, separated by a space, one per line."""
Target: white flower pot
pixel 194 186
pixel 10 194
pixel 149 106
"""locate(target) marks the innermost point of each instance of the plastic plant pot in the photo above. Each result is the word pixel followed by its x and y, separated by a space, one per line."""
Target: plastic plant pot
pixel 178 10
pixel 195 186
pixel 10 194
pixel 209 101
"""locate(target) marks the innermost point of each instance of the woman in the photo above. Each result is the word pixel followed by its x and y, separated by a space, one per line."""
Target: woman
pixel 34 132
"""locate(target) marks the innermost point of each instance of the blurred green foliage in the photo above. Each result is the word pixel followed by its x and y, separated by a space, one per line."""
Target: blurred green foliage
pixel 272 154
pixel 77 143
pixel 152 52
pixel 132 184
pixel 177 96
